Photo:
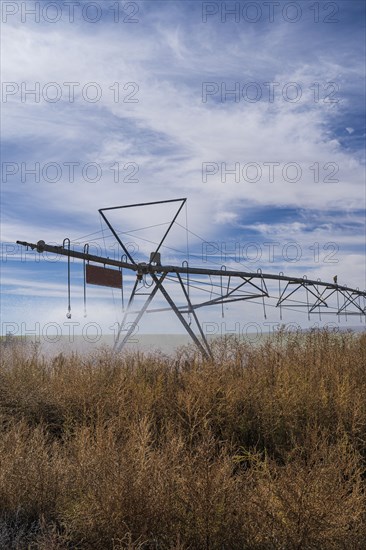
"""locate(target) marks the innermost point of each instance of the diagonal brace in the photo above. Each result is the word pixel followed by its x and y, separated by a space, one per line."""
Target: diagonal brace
pixel 182 319
pixel 142 310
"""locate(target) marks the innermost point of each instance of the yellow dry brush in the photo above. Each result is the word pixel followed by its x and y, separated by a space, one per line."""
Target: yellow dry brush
pixel 263 447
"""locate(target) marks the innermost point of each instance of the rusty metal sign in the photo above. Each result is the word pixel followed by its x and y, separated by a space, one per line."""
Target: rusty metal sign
pixel 103 276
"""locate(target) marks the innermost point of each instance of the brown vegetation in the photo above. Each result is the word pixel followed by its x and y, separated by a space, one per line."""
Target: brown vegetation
pixel 264 448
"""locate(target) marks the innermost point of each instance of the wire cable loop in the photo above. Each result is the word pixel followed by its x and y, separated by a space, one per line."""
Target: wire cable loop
pixel 68 314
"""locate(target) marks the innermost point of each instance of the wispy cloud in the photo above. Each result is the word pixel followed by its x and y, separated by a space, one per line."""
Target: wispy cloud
pixel 163 135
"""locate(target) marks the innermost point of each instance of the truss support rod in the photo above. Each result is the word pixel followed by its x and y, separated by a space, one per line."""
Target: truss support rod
pixel 218 301
pixel 126 314
pixel 184 309
pixel 191 310
pixel 117 237
pixel 142 310
pixel 350 300
pixel 171 225
pixel 320 299
pixel 249 281
pixel 182 320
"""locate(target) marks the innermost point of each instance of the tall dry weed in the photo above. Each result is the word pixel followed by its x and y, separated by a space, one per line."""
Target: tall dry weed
pixel 262 448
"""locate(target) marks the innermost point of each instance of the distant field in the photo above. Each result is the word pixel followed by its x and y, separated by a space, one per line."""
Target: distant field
pixel 262 448
pixel 166 343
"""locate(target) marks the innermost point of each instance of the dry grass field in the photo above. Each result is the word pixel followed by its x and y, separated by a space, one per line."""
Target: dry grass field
pixel 264 448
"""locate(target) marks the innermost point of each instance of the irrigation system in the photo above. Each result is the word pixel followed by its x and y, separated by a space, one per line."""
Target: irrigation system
pixel 199 286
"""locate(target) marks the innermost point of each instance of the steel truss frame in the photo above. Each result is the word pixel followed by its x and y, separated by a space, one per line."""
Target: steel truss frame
pixel 315 296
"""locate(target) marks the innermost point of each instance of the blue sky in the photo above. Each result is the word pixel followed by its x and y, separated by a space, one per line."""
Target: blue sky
pixel 165 63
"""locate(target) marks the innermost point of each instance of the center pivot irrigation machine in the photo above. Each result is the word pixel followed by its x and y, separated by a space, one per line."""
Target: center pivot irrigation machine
pixel 221 285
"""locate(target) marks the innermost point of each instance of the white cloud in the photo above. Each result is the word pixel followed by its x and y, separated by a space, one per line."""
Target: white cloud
pixel 169 133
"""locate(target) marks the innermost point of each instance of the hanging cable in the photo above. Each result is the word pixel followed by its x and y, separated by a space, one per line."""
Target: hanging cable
pixel 118 232
pixel 145 283
pixel 188 231
pixel 319 300
pixel 279 294
pixel 185 264
pixel 307 297
pixel 86 251
pixel 187 243
pixel 205 241
pixel 68 314
pixel 264 289
pixel 102 229
pixel 123 260
pixel 212 287
pixel 228 284
pixel 345 306
pixel 359 305
pixel 223 268
pixel 338 313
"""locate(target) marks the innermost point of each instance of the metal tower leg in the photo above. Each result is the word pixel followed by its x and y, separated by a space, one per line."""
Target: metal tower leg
pixel 125 315
pixel 207 354
pixel 142 310
pixel 191 309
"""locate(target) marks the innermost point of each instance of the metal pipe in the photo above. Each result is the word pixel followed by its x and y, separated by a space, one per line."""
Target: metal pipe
pixel 41 247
